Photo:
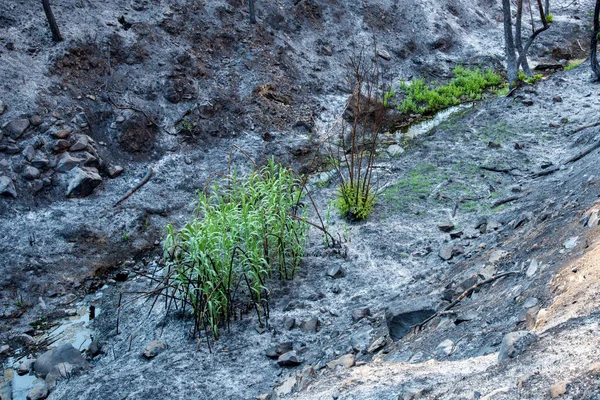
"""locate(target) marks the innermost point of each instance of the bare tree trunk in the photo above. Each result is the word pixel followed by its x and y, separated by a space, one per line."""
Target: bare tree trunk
pixel 252 13
pixel 519 39
pixel 536 32
pixel 511 61
pixel 594 41
pixel 547 6
pixel 53 26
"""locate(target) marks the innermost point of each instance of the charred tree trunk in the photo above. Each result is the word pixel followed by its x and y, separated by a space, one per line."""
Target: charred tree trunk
pixel 511 59
pixel 547 6
pixel 53 26
pixel 519 39
pixel 534 34
pixel 594 41
pixel 252 13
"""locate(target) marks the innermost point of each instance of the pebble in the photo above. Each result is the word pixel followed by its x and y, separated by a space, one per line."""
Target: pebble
pixel 289 359
pixel 336 271
pixel 154 348
pixel 39 392
pixel 346 361
pixel 558 389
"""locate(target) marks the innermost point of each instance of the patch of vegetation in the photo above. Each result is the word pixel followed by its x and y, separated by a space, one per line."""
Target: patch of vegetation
pixel 529 79
pixel 243 233
pixel 549 18
pixel 572 65
pixel 467 85
pixel 355 201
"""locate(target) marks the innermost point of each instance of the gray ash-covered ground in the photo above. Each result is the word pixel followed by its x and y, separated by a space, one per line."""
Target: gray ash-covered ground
pixel 187 81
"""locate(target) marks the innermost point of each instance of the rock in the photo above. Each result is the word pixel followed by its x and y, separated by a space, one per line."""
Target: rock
pixel 281 348
pixel 531 317
pixel 67 162
pixel 527 102
pixel 558 389
pixel 2 107
pixel 29 152
pixel 448 252
pixel 360 313
pixel 557 99
pixel 36 120
pixel 61 134
pixel 58 372
pixel 400 316
pixel 63 354
pixel 82 182
pixel 81 143
pixel 61 145
pixel 311 325
pixel 411 394
pixel 114 171
pixel 530 302
pixel 12 148
pixel 25 366
pixel 571 242
pixel 336 271
pixel 361 338
pixel 377 344
pixel 39 392
pixel 40 162
pixel 497 255
pixel 514 344
pixel 344 361
pixel 94 349
pixel 31 173
pixel 154 348
pixel 4 349
pixel 384 54
pixel 532 269
pixel 289 359
pixel 16 127
pixel 446 226
pixel 7 187
pixel 593 220
pixel 446 347
pixel 289 323
pixel 395 150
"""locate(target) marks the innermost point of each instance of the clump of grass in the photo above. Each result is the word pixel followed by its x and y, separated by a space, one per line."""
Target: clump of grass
pixel 244 232
pixel 467 85
pixel 355 201
pixel 529 79
pixel 549 18
pixel 573 65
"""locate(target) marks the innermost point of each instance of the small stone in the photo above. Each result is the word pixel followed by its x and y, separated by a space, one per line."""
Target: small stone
pixel 16 128
pixel 81 143
pixel 346 361
pixel 25 366
pixel 558 389
pixel 530 302
pixel 527 102
pixel 82 182
pixel 61 145
pixel 154 348
pixel 40 162
pixel 384 54
pixel 448 252
pixel 31 173
pixel 377 344
pixel 401 315
pixel 29 152
pixel 531 318
pixel 60 355
pixel 114 171
pixel 289 323
pixel 7 187
pixel 497 255
pixel 360 313
pixel 67 162
pixel 514 344
pixel 336 271
pixel 36 120
pixel 571 242
pixel 282 348
pixel 61 133
pixel 289 359
pixel 39 392
pixel 94 349
pixel 2 107
pixel 311 325
pixel 557 99
pixel 594 220
pixel 4 349
pixel 395 150
pixel 532 269
pixel 446 347
pixel 446 226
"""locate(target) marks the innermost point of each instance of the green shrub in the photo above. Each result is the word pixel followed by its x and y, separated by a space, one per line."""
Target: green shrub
pixel 549 18
pixel 467 85
pixel 529 79
pixel 573 65
pixel 354 201
pixel 243 233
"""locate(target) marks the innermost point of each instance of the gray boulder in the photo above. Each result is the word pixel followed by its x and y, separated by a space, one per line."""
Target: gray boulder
pixel 39 392
pixel 63 354
pixel 31 173
pixel 67 162
pixel 514 344
pixel 289 359
pixel 154 348
pixel 82 182
pixel 400 316
pixel 7 187
pixel 16 128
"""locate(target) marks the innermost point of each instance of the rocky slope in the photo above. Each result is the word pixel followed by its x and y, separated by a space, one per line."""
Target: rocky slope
pixel 184 82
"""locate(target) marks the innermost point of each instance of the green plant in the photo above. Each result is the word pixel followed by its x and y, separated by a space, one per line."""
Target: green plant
pixel 388 97
pixel 529 79
pixel 467 85
pixel 549 18
pixel 354 201
pixel 186 125
pixel 573 65
pixel 126 236
pixel 243 232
